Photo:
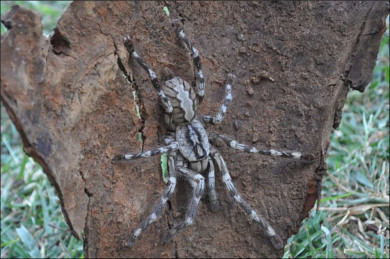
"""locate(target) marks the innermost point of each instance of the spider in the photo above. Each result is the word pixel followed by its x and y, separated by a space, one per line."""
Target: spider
pixel 189 150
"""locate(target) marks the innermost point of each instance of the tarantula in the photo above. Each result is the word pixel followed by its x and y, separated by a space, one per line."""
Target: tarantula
pixel 189 151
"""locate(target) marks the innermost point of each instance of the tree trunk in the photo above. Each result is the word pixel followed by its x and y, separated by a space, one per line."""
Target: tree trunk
pixel 70 100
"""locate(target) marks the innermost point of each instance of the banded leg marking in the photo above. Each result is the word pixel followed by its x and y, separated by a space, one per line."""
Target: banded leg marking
pixel 164 100
pixel 269 152
pixel 197 64
pixel 276 241
pixel 160 204
pixel 222 111
pixel 120 158
pixel 214 204
pixel 198 184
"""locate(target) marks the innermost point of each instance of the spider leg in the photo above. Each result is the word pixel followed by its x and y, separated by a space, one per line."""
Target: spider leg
pixel 160 205
pixel 197 183
pixel 222 111
pixel 270 152
pixel 164 100
pixel 128 156
pixel 214 205
pixel 276 241
pixel 198 66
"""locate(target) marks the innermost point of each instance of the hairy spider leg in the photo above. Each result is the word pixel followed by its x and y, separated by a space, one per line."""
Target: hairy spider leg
pixel 198 66
pixel 164 100
pixel 160 205
pixel 222 111
pixel 129 156
pixel 269 152
pixel 275 238
pixel 197 183
pixel 214 204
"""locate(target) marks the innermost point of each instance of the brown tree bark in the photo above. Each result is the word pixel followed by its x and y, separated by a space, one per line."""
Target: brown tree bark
pixel 74 109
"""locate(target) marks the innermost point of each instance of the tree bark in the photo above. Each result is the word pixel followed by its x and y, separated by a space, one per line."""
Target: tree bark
pixel 69 99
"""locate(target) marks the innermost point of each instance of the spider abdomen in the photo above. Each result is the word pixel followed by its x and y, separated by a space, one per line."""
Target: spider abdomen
pixel 183 100
pixel 193 141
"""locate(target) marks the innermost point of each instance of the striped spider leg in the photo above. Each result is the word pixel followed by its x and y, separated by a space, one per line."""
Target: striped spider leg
pixel 196 59
pixel 171 149
pixel 212 193
pixel 222 111
pixel 276 240
pixel 269 152
pixel 161 202
pixel 167 106
pixel 197 183
pixel 171 146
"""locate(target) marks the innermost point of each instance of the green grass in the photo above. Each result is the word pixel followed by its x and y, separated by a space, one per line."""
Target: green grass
pixel 353 220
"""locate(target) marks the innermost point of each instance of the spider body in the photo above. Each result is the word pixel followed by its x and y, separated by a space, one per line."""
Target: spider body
pixel 189 148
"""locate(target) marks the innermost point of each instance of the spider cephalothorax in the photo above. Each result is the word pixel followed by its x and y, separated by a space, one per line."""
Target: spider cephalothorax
pixel 190 153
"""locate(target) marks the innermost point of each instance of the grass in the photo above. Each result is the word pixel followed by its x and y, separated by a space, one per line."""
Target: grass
pixel 353 220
